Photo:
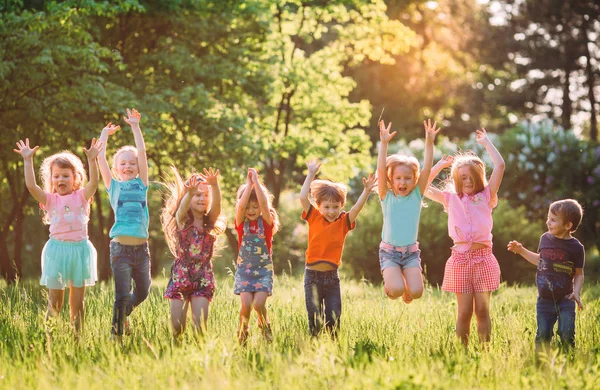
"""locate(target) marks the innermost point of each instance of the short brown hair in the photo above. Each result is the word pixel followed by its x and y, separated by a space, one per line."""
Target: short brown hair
pixel 570 210
pixel 325 190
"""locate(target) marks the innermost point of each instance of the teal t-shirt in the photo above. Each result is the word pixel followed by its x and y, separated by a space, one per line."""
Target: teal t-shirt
pixel 401 218
pixel 129 202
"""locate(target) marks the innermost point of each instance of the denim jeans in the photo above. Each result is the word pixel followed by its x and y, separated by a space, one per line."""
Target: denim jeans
pixel 548 312
pixel 127 262
pixel 323 300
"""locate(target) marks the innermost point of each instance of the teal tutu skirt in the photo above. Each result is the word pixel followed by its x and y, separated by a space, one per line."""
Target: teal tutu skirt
pixel 69 263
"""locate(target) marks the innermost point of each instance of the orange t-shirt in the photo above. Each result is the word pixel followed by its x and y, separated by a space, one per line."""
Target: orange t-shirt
pixel 326 239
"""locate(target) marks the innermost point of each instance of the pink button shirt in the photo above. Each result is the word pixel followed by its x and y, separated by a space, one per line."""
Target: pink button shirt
pixel 470 218
pixel 68 215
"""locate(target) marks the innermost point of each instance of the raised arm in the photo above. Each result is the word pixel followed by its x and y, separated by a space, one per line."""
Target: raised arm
pixel 518 248
pixel 430 133
pixel 190 188
pixel 497 160
pixel 133 120
pixel 107 131
pixel 385 138
pixel 212 179
pixel 261 195
pixel 313 168
pixel 92 153
pixel 240 212
pixel 432 192
pixel 369 183
pixel 27 153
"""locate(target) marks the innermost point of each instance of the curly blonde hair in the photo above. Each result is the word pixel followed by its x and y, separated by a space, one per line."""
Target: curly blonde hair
pixel 395 160
pixel 327 190
pixel 64 159
pixel 168 215
pixel 254 198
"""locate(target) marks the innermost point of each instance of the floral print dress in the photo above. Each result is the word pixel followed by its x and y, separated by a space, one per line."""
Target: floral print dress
pixel 192 271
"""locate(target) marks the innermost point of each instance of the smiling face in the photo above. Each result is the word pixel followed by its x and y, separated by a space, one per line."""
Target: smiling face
pixel 200 202
pixel 252 210
pixel 63 180
pixel 330 209
pixel 403 180
pixel 465 175
pixel 558 226
pixel 127 165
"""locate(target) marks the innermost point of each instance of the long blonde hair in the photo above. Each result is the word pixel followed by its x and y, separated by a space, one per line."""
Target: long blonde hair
pixel 254 198
pixel 168 215
pixel 64 159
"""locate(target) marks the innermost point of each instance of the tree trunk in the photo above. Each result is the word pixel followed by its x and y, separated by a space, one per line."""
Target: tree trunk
pixel 232 240
pixel 103 242
pixel 591 81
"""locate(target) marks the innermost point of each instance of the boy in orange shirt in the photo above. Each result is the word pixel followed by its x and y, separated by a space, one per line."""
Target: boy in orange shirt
pixel 327 229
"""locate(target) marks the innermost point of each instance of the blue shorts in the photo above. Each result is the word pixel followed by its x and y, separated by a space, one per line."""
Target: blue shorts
pixel 403 257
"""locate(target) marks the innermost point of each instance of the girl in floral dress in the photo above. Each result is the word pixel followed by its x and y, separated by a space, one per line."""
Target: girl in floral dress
pixel 191 221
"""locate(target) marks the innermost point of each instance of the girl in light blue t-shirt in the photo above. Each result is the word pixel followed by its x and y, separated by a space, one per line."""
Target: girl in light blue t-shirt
pixel 127 191
pixel 401 193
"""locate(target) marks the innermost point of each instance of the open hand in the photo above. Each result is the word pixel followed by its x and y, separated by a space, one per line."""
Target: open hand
pixel 24 150
pixel 313 166
pixel 384 132
pixel 515 247
pixel 445 161
pixel 133 117
pixel 191 186
pixel 211 177
pixel 481 136
pixel 110 128
pixel 94 150
pixel 370 182
pixel 430 130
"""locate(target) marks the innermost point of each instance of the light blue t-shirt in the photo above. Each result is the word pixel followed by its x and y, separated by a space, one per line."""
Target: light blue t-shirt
pixel 401 218
pixel 129 202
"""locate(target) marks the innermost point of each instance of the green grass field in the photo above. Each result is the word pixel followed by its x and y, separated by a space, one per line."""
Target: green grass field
pixel 382 344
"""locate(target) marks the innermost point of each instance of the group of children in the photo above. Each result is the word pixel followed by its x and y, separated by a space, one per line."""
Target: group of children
pixel 192 219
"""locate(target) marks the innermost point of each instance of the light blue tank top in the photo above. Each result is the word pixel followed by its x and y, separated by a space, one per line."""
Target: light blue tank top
pixel 129 202
pixel 401 218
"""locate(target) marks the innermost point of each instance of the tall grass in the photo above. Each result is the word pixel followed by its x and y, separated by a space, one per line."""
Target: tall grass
pixel 382 344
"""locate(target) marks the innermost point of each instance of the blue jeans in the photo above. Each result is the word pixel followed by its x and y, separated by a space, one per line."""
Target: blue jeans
pixel 127 262
pixel 548 312
pixel 323 300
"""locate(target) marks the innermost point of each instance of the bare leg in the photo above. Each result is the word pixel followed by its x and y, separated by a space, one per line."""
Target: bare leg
pixel 463 319
pixel 246 309
pixel 76 303
pixel 55 302
pixel 482 313
pixel 260 305
pixel 393 282
pixel 178 316
pixel 200 313
pixel 414 284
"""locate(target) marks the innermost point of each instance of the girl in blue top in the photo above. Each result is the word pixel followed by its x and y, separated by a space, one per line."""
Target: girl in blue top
pixel 127 191
pixel 401 194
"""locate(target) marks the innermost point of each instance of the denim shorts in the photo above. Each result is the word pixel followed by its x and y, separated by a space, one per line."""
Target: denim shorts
pixel 398 257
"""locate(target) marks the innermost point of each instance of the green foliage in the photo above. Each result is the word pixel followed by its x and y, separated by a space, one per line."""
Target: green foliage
pixel 378 337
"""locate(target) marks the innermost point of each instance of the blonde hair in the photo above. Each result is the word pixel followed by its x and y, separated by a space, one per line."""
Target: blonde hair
pixel 396 160
pixel 570 210
pixel 168 215
pixel 326 190
pixel 64 159
pixel 254 198
pixel 123 149
pixel 476 168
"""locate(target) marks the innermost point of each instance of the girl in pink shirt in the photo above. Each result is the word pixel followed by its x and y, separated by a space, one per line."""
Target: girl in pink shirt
pixel 68 258
pixel 472 271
